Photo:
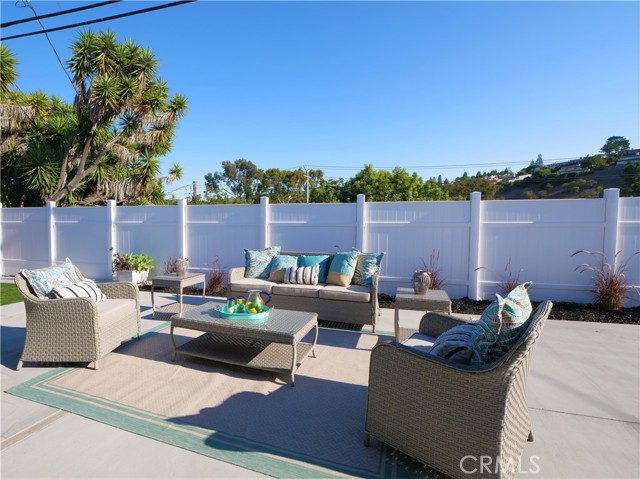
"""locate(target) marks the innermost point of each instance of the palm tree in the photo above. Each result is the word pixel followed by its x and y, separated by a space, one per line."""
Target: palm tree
pixel 122 109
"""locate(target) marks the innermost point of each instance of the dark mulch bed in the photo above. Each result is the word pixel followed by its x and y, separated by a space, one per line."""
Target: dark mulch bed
pixel 561 310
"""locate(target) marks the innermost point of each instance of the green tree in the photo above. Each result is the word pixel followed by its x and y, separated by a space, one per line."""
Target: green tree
pixel 121 117
pixel 462 187
pixel 238 182
pixel 631 180
pixel 614 147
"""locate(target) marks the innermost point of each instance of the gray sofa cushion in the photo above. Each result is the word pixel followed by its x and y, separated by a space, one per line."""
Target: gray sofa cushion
pixel 114 309
pixel 360 294
pixel 244 284
pixel 300 290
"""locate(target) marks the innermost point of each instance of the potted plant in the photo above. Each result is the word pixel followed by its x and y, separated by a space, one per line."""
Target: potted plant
pixel 132 267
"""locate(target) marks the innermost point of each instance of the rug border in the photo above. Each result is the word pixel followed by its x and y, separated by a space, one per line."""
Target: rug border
pixel 184 436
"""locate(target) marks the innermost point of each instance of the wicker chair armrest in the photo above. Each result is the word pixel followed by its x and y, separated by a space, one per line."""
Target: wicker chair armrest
pixel 235 274
pixel 119 290
pixel 434 324
pixel 61 310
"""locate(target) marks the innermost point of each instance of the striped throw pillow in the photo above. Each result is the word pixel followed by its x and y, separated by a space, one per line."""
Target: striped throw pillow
pixel 82 289
pixel 456 344
pixel 302 275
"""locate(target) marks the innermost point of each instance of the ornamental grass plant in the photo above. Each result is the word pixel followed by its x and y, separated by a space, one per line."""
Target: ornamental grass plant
pixel 610 283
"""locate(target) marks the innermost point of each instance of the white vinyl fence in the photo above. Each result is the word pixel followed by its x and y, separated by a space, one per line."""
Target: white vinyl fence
pixel 473 239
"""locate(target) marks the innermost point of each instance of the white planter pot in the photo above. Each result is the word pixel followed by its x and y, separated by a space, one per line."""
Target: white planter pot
pixel 132 276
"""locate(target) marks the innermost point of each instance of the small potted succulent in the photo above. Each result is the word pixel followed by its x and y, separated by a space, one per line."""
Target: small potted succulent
pixel 132 267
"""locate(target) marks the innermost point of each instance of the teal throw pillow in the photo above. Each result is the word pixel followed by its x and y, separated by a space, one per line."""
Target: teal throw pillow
pixel 321 260
pixel 257 262
pixel 367 265
pixel 342 268
pixel 44 280
pixel 456 344
pixel 278 266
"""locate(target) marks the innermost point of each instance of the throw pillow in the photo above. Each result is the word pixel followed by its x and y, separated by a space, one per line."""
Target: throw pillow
pixel 366 266
pixel 302 275
pixel 278 266
pixel 456 344
pixel 490 340
pixel 257 261
pixel 42 281
pixel 342 268
pixel 82 289
pixel 322 260
pixel 513 322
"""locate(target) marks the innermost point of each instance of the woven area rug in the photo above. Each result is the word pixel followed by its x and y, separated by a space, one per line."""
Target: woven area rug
pixel 247 417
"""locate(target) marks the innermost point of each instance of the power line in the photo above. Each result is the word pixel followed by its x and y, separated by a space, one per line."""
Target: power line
pixel 104 19
pixel 63 12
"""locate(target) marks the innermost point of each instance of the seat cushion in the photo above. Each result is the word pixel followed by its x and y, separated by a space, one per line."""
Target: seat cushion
pixel 420 342
pixel 245 284
pixel 360 294
pixel 301 290
pixel 114 309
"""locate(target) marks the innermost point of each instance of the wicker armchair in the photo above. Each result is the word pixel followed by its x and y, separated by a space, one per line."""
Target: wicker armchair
pixel 78 329
pixel 441 413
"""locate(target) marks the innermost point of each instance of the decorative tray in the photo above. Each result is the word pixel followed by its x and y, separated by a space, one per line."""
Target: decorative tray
pixel 261 316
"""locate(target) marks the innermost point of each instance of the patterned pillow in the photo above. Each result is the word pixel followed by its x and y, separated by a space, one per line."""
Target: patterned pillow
pixel 257 261
pixel 342 268
pixel 82 289
pixel 278 266
pixel 42 281
pixel 456 344
pixel 302 275
pixel 366 266
pixel 494 334
pixel 322 260
pixel 513 324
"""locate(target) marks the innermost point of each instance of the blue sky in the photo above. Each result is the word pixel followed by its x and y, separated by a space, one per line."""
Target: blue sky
pixel 435 87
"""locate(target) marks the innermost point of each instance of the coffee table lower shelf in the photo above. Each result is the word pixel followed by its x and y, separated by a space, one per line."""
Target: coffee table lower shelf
pixel 248 352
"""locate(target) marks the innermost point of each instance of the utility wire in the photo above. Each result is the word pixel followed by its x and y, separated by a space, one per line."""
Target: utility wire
pixel 98 20
pixel 63 12
pixel 27 4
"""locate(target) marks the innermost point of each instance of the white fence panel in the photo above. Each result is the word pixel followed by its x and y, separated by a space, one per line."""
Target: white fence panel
pixel 313 227
pixel 221 231
pixel 151 230
pixel 25 239
pixel 410 232
pixel 629 244
pixel 537 238
pixel 81 235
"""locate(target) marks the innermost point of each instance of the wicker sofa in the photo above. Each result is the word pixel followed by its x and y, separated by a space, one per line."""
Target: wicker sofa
pixel 441 412
pixel 78 329
pixel 351 304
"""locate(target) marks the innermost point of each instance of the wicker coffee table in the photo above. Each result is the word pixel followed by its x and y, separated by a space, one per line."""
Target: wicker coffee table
pixel 275 345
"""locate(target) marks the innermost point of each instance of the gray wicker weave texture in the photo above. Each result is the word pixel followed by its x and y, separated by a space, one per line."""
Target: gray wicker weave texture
pixel 72 330
pixel 439 412
pixel 273 345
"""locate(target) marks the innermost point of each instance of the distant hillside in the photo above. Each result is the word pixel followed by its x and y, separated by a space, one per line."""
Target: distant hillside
pixel 585 185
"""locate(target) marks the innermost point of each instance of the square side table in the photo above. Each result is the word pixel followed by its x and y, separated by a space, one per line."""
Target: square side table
pixel 432 300
pixel 180 282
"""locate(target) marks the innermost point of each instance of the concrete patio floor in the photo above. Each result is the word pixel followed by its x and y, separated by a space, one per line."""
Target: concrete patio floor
pixel 584 398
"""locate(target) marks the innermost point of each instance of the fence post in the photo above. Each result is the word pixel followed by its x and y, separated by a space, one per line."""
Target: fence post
pixel 182 230
pixel 474 245
pixel 612 204
pixel 360 223
pixel 51 230
pixel 263 234
pixel 111 234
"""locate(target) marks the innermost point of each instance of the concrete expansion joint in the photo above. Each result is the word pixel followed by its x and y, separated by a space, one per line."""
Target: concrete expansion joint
pixel 25 433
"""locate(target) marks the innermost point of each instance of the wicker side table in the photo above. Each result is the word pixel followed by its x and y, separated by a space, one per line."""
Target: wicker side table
pixel 179 282
pixel 432 300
